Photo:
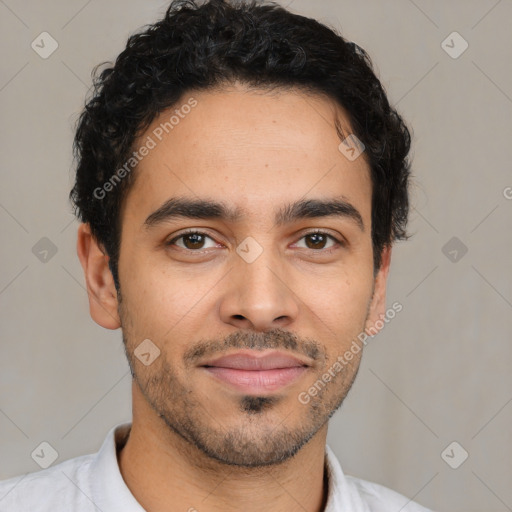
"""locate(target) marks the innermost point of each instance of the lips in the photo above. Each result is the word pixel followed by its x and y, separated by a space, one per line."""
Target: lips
pixel 256 374
pixel 250 361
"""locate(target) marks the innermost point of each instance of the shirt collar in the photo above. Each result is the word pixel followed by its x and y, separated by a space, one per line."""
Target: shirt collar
pixel 341 494
pixel 110 492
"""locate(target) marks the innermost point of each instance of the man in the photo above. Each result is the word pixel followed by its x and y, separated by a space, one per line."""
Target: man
pixel 241 179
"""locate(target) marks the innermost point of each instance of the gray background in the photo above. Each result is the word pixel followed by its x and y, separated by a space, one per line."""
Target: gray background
pixel 438 373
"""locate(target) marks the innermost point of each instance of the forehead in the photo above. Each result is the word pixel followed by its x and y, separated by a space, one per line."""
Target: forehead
pixel 252 149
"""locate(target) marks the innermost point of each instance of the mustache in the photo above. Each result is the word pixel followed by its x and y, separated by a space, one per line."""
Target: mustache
pixel 271 339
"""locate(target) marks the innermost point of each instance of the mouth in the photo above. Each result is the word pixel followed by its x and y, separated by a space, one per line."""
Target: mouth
pixel 252 372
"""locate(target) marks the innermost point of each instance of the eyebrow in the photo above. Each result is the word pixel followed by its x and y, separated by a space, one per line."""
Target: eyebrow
pixel 182 207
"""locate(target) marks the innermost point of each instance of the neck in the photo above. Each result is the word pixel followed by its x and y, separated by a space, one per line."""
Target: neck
pixel 165 473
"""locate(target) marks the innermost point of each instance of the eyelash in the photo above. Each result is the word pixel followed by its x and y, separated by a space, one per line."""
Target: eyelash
pixel 339 243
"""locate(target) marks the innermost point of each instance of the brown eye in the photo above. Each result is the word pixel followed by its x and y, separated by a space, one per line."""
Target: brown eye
pixel 192 241
pixel 316 241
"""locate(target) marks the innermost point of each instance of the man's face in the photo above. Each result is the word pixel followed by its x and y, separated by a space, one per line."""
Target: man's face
pixel 249 284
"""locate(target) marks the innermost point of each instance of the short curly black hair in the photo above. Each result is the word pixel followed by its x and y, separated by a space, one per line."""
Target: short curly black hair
pixel 198 46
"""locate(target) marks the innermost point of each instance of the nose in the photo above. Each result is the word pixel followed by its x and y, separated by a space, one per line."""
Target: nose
pixel 260 295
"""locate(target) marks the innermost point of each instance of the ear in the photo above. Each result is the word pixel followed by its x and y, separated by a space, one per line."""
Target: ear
pixel 101 289
pixel 377 308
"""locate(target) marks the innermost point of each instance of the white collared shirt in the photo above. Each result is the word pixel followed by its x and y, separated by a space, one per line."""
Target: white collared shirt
pixel 93 483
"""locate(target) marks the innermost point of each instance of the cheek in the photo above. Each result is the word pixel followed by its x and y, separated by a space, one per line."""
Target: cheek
pixel 340 306
pixel 160 301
